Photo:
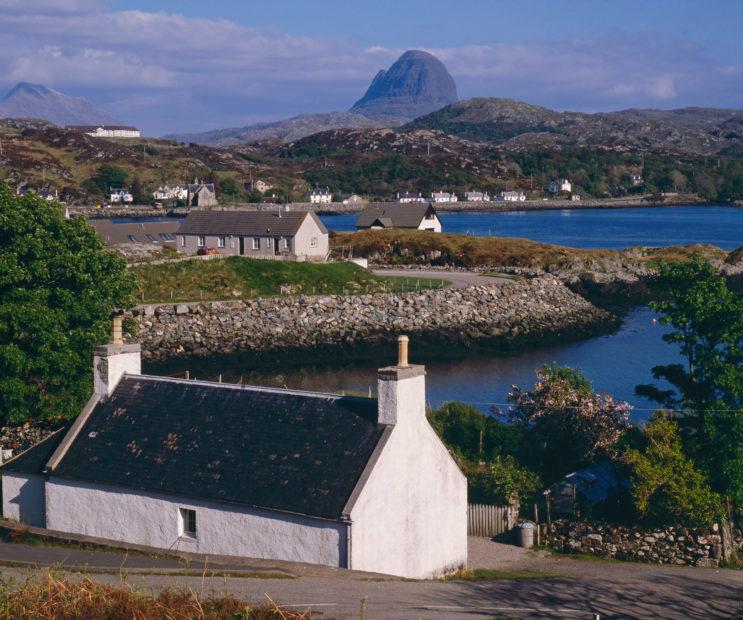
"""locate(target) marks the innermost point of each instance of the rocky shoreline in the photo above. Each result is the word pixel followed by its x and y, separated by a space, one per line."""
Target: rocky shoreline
pixel 506 313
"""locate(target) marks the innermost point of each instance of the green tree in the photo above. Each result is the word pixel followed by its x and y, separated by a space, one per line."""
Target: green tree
pixel 707 391
pixel 667 488
pixel 137 190
pixel 568 425
pixel 499 481
pixel 230 189
pixel 58 287
pixel 106 177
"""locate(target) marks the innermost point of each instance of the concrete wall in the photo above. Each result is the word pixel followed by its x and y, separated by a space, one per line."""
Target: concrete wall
pixel 410 518
pixel 23 498
pixel 152 519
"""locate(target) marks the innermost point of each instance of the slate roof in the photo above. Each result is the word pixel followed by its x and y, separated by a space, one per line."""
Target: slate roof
pixel 34 460
pixel 283 450
pixel 112 233
pixel 400 215
pixel 244 223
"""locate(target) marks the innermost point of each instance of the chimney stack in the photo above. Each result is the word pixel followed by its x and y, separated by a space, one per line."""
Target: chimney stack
pixel 112 361
pixel 401 389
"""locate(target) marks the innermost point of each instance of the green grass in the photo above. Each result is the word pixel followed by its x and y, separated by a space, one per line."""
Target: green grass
pixel 243 278
pixel 489 574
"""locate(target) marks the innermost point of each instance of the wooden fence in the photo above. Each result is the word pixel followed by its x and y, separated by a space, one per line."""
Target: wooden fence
pixel 489 521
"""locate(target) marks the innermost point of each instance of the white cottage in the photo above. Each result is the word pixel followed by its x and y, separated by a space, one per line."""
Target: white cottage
pixel 216 468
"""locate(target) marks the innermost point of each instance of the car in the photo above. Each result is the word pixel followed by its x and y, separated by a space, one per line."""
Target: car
pixel 207 251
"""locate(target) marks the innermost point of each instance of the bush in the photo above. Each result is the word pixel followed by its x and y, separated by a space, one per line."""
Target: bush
pixel 499 481
pixel 667 487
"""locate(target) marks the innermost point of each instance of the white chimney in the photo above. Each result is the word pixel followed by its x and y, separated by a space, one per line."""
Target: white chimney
pixel 111 361
pixel 401 389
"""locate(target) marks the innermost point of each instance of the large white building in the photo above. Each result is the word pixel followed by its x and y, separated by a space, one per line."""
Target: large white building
pixel 222 469
pixel 106 131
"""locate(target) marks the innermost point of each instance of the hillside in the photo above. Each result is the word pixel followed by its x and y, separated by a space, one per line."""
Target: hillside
pixel 515 125
pixel 37 101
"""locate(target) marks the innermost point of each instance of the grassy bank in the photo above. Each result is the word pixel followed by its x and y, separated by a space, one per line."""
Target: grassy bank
pixel 243 278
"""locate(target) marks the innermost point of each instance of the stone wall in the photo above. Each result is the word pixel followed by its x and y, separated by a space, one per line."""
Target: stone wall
pixel 668 545
pixel 511 311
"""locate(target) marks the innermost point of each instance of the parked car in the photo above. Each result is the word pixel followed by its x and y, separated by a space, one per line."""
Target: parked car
pixel 207 251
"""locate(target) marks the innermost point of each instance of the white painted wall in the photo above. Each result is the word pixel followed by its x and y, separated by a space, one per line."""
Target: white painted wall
pixel 303 239
pixel 23 498
pixel 410 518
pixel 137 517
pixel 432 224
pixel 110 362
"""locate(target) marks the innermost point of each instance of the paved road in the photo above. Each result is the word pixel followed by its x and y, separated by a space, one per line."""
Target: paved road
pixel 611 589
pixel 458 279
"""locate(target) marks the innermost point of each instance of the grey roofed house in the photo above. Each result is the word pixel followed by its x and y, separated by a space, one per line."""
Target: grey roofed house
pixel 420 216
pixel 160 233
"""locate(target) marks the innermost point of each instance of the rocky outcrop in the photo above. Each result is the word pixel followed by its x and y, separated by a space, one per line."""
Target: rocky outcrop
pixel 417 83
pixel 509 312
pixel 668 545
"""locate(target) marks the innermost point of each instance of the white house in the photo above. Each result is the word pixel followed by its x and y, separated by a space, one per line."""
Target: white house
pixel 258 185
pixel 223 469
pixel 477 197
pixel 560 185
pixel 120 195
pixel 416 216
pixel 511 197
pixel 354 199
pixel 167 192
pixel 438 197
pixel 106 131
pixel 409 197
pixel 320 195
pixel 636 179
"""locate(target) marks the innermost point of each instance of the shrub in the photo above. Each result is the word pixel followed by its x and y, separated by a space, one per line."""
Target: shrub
pixel 499 481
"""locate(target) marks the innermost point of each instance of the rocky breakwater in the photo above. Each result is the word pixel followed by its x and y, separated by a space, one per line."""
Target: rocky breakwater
pixel 537 309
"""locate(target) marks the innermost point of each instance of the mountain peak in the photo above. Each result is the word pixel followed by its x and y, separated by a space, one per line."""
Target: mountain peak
pixel 417 83
pixel 30 100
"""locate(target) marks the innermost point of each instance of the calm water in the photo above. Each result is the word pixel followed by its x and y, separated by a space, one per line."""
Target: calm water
pixel 615 363
pixel 597 228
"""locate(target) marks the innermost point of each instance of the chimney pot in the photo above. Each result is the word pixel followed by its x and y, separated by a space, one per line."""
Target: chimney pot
pixel 402 351
pixel 117 336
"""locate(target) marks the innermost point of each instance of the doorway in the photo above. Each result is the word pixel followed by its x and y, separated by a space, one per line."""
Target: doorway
pixel 242 246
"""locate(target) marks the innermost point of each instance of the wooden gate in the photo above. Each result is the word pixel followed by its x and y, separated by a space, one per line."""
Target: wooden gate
pixel 488 521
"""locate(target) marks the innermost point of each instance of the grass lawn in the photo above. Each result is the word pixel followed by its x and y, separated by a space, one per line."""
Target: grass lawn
pixel 243 278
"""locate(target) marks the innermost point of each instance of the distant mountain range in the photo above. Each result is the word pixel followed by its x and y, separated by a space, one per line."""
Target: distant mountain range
pixel 26 100
pixel 416 83
pixel 516 125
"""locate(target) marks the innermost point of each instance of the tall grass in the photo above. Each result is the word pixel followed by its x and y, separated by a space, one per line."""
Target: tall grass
pixel 50 597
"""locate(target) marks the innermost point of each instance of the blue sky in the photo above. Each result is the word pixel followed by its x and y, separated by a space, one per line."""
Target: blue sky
pixel 175 66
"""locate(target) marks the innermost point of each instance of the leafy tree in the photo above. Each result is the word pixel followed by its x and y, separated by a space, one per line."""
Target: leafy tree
pixel 58 287
pixel 230 188
pixel 499 481
pixel 666 486
pixel 138 194
pixel 106 177
pixel 568 425
pixel 707 317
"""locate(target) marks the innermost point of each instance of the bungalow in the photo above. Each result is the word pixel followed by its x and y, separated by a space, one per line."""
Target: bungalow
pixel 511 197
pixel 560 185
pixel 477 197
pixel 201 194
pixel 319 195
pixel 297 236
pixel 443 197
pixel 223 469
pixel 408 197
pixel 120 195
pixel 416 216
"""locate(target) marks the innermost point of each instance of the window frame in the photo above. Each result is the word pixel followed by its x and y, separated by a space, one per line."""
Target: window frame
pixel 187 527
pixel 314 242
pixel 201 241
pixel 221 241
pixel 256 243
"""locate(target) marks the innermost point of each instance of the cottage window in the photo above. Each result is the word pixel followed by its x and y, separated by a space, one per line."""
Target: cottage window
pixel 202 241
pixel 183 241
pixel 256 243
pixel 132 238
pixel 220 242
pixel 186 523
pixel 152 238
pixel 313 242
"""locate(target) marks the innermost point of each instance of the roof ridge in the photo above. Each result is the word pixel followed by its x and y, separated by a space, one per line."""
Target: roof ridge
pixel 250 388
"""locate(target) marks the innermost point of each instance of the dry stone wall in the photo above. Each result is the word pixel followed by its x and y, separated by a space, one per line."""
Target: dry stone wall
pixel 508 311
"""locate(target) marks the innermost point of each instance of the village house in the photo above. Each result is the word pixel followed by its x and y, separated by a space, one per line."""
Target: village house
pixel 201 194
pixel 438 197
pixel 560 185
pixel 354 199
pixel 319 195
pixel 511 197
pixel 292 235
pixel 120 195
pixel 257 186
pixel 229 469
pixel 106 131
pixel 477 197
pixel 168 192
pixel 418 216
pixel 409 197
pixel 636 179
